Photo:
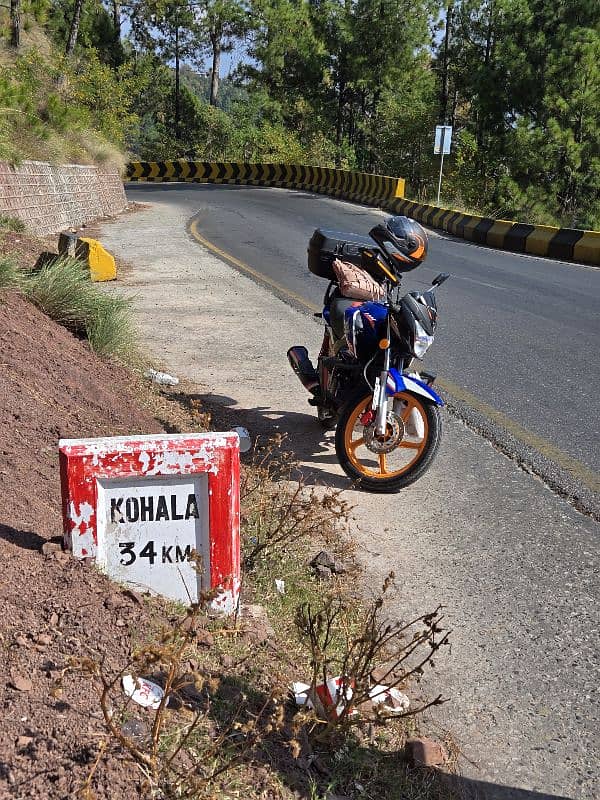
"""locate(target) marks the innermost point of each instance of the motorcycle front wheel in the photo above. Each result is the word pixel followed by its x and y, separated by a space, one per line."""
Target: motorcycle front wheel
pixel 393 461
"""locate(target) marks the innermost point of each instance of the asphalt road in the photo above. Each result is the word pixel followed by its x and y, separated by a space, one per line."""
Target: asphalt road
pixel 517 339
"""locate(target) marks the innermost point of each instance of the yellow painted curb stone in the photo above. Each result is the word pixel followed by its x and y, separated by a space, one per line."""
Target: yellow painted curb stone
pixel 588 248
pixel 102 263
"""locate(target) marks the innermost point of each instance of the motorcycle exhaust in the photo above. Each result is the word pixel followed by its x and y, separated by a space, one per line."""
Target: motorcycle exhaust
pixel 303 367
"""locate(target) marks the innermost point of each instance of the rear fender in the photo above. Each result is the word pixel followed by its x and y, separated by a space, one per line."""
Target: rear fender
pixel 397 382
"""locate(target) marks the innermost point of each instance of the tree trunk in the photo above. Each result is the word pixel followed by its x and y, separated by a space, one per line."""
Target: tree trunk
pixel 72 41
pixel 480 135
pixel 361 136
pixel 454 107
pixel 352 120
pixel 216 66
pixel 15 22
pixel 177 89
pixel 490 35
pixel 340 121
pixel 445 80
pixel 116 14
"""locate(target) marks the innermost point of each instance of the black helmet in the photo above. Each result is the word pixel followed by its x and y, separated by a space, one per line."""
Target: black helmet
pixel 408 242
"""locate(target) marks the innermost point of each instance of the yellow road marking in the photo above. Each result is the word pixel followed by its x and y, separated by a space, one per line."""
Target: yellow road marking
pixel 588 477
pixel 250 271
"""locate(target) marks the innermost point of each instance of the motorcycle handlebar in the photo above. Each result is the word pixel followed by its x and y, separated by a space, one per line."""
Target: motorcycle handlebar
pixel 437 281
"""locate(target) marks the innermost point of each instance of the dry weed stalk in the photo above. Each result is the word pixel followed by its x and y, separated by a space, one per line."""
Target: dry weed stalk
pixel 179 758
pixel 279 509
pixel 351 643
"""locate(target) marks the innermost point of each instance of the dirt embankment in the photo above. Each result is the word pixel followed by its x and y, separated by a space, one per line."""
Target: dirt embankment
pixel 53 608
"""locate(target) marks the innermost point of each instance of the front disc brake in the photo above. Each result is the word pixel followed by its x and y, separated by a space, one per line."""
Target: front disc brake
pixel 394 434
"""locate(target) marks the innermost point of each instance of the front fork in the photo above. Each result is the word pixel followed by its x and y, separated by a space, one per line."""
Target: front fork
pixel 380 399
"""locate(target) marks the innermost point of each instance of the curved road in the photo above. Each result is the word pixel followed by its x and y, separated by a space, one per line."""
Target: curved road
pixel 518 338
pixel 516 568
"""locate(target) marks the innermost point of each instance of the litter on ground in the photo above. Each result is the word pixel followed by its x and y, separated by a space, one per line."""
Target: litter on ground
pixel 142 691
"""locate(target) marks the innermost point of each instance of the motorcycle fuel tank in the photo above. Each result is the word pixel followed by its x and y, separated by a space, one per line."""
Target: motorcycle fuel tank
pixel 364 326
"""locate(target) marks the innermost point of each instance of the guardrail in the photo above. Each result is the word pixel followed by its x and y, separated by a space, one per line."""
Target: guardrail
pixel 359 187
pixel 568 244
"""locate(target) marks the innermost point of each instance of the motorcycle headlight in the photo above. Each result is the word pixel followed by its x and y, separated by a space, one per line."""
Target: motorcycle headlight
pixel 422 341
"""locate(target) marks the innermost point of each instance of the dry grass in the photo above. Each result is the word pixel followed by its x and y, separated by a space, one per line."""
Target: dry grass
pixel 11 224
pixel 62 289
pixel 32 38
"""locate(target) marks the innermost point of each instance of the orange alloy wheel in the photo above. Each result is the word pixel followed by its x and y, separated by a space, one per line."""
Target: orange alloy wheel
pixel 403 457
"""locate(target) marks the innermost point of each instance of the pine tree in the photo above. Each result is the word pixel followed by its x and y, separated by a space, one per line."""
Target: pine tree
pixel 167 29
pixel 221 23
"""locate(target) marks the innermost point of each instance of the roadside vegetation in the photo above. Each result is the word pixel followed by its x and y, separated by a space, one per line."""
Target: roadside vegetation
pixel 11 224
pixel 231 726
pixel 360 85
pixel 228 724
pixel 62 289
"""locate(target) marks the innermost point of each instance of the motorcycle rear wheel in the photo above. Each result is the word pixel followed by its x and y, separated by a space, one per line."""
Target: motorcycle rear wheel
pixel 406 462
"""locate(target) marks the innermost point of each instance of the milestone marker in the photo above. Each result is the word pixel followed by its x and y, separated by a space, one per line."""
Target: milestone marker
pixel 157 512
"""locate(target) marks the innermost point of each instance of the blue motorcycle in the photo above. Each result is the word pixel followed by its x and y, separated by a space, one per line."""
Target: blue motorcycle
pixel 386 414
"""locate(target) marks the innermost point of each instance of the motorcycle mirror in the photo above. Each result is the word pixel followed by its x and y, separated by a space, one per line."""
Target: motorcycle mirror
pixel 439 279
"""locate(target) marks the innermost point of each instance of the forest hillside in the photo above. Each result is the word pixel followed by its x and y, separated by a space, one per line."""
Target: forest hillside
pixel 353 83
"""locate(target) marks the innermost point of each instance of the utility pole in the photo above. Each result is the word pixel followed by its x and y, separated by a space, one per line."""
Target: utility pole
pixel 443 140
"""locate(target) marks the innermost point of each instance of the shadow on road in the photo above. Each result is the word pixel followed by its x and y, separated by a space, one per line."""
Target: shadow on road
pixel 319 773
pixel 468 789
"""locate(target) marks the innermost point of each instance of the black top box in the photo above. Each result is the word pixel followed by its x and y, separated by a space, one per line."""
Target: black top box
pixel 326 245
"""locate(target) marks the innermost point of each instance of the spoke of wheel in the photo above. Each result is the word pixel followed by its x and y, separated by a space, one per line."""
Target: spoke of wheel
pixel 357 443
pixel 382 463
pixel 410 404
pixel 411 445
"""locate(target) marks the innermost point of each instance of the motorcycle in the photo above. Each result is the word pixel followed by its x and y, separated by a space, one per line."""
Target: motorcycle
pixel 386 415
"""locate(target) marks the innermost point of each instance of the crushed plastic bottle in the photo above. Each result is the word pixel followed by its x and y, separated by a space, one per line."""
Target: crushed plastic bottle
pixel 162 378
pixel 142 691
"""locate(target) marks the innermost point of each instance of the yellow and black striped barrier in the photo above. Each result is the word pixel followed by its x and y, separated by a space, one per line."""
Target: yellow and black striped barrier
pixel 568 244
pixel 386 192
pixel 360 187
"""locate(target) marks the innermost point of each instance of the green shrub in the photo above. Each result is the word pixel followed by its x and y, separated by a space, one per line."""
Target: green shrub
pixel 62 290
pixel 110 332
pixel 13 224
pixel 64 111
pixel 9 273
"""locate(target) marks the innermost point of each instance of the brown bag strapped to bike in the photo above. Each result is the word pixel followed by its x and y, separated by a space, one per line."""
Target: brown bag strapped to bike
pixel 355 283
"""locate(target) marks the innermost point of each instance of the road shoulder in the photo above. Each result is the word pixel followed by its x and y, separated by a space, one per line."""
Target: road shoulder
pixel 516 566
